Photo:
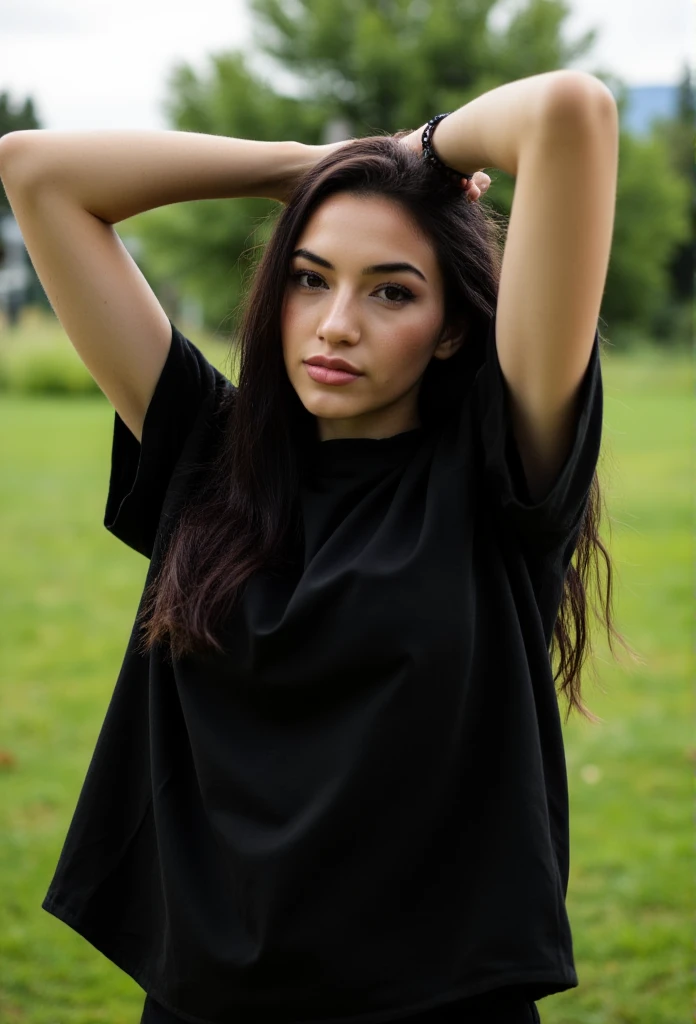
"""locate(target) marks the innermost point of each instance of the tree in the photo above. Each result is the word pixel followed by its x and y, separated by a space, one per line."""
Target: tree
pixel 677 134
pixel 650 222
pixel 380 66
pixel 14 118
pixel 390 64
pixel 203 246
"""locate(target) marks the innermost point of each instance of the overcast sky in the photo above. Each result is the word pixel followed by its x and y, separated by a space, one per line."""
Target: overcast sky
pixel 89 65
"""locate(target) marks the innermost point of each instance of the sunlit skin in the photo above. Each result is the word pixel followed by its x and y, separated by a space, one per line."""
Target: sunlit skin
pixel 366 319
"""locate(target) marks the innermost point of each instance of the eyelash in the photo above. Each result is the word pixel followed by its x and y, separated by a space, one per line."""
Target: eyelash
pixel 406 293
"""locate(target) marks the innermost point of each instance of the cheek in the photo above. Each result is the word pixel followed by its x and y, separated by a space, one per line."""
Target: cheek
pixel 288 326
pixel 408 349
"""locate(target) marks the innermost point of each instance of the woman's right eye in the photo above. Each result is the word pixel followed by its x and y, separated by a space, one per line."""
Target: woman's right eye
pixel 307 273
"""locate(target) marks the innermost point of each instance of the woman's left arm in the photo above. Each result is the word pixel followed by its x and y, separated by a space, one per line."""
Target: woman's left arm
pixel 558 135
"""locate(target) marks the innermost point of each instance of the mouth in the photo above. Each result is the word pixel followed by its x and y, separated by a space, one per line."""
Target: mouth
pixel 325 375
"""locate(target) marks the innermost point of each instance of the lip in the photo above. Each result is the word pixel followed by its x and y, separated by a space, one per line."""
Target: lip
pixel 328 375
pixel 334 363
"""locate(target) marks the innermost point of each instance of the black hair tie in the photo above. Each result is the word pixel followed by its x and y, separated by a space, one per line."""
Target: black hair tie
pixel 431 157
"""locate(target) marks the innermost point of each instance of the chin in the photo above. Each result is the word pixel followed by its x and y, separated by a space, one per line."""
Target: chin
pixel 330 410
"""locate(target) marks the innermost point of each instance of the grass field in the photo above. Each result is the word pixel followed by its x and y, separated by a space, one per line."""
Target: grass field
pixel 69 592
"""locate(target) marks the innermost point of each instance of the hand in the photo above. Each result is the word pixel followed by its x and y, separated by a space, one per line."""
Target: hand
pixel 475 187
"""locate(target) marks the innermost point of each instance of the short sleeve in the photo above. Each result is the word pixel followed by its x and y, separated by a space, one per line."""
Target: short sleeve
pixel 141 470
pixel 554 518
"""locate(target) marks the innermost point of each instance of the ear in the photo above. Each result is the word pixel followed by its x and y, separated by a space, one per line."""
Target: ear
pixel 451 339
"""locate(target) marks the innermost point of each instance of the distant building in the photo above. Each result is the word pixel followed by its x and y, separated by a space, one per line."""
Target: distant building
pixel 20 285
pixel 15 270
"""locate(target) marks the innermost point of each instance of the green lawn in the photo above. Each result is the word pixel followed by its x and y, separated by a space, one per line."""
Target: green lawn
pixel 69 593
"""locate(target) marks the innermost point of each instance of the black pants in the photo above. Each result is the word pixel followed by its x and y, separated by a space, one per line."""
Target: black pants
pixel 517 1011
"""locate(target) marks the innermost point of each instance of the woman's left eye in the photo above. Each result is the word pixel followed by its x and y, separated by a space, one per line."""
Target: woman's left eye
pixel 405 294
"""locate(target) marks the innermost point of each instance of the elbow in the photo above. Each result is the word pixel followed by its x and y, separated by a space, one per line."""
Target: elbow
pixel 578 93
pixel 15 154
pixel 579 106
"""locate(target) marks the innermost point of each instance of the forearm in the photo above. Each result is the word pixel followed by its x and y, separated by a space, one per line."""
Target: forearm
pixel 493 129
pixel 118 174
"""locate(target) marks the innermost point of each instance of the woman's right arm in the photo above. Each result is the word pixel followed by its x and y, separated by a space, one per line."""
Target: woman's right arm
pixel 67 189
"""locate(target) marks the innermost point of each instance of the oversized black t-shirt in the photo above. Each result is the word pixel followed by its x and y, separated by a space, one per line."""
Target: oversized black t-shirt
pixel 360 809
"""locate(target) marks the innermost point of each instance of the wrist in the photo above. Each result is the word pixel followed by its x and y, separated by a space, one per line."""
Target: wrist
pixel 431 157
pixel 296 160
pixel 289 161
pixel 492 129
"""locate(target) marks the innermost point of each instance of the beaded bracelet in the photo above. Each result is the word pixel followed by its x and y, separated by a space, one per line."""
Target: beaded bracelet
pixel 431 157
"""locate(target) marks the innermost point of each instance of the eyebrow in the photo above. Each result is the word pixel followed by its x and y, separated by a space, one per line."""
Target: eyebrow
pixel 376 268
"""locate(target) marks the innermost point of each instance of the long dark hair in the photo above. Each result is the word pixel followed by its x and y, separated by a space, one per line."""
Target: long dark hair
pixel 245 515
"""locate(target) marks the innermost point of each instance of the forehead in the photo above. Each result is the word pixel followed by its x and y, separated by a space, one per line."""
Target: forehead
pixel 348 228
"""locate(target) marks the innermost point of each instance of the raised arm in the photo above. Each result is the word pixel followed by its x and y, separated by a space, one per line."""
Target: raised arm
pixel 67 189
pixel 558 134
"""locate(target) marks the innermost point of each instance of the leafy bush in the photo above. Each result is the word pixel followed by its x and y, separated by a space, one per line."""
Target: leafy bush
pixel 36 357
pixel 45 366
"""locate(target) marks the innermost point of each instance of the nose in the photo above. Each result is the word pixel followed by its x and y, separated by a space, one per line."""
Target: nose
pixel 340 322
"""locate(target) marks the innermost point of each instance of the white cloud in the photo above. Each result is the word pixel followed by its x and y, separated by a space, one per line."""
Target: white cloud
pixel 42 17
pixel 643 43
pixel 111 70
pixel 92 66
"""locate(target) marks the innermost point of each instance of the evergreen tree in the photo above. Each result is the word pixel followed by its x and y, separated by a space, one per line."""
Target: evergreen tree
pixel 14 118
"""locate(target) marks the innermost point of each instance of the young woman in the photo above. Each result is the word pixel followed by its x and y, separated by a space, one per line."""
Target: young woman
pixel 330 785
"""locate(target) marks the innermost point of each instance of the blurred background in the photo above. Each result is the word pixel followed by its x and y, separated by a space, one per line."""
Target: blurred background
pixel 322 71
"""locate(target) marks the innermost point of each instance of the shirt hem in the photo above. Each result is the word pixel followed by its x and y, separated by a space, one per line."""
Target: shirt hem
pixel 557 981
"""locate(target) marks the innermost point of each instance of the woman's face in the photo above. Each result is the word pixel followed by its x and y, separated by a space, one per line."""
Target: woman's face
pixel 386 323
